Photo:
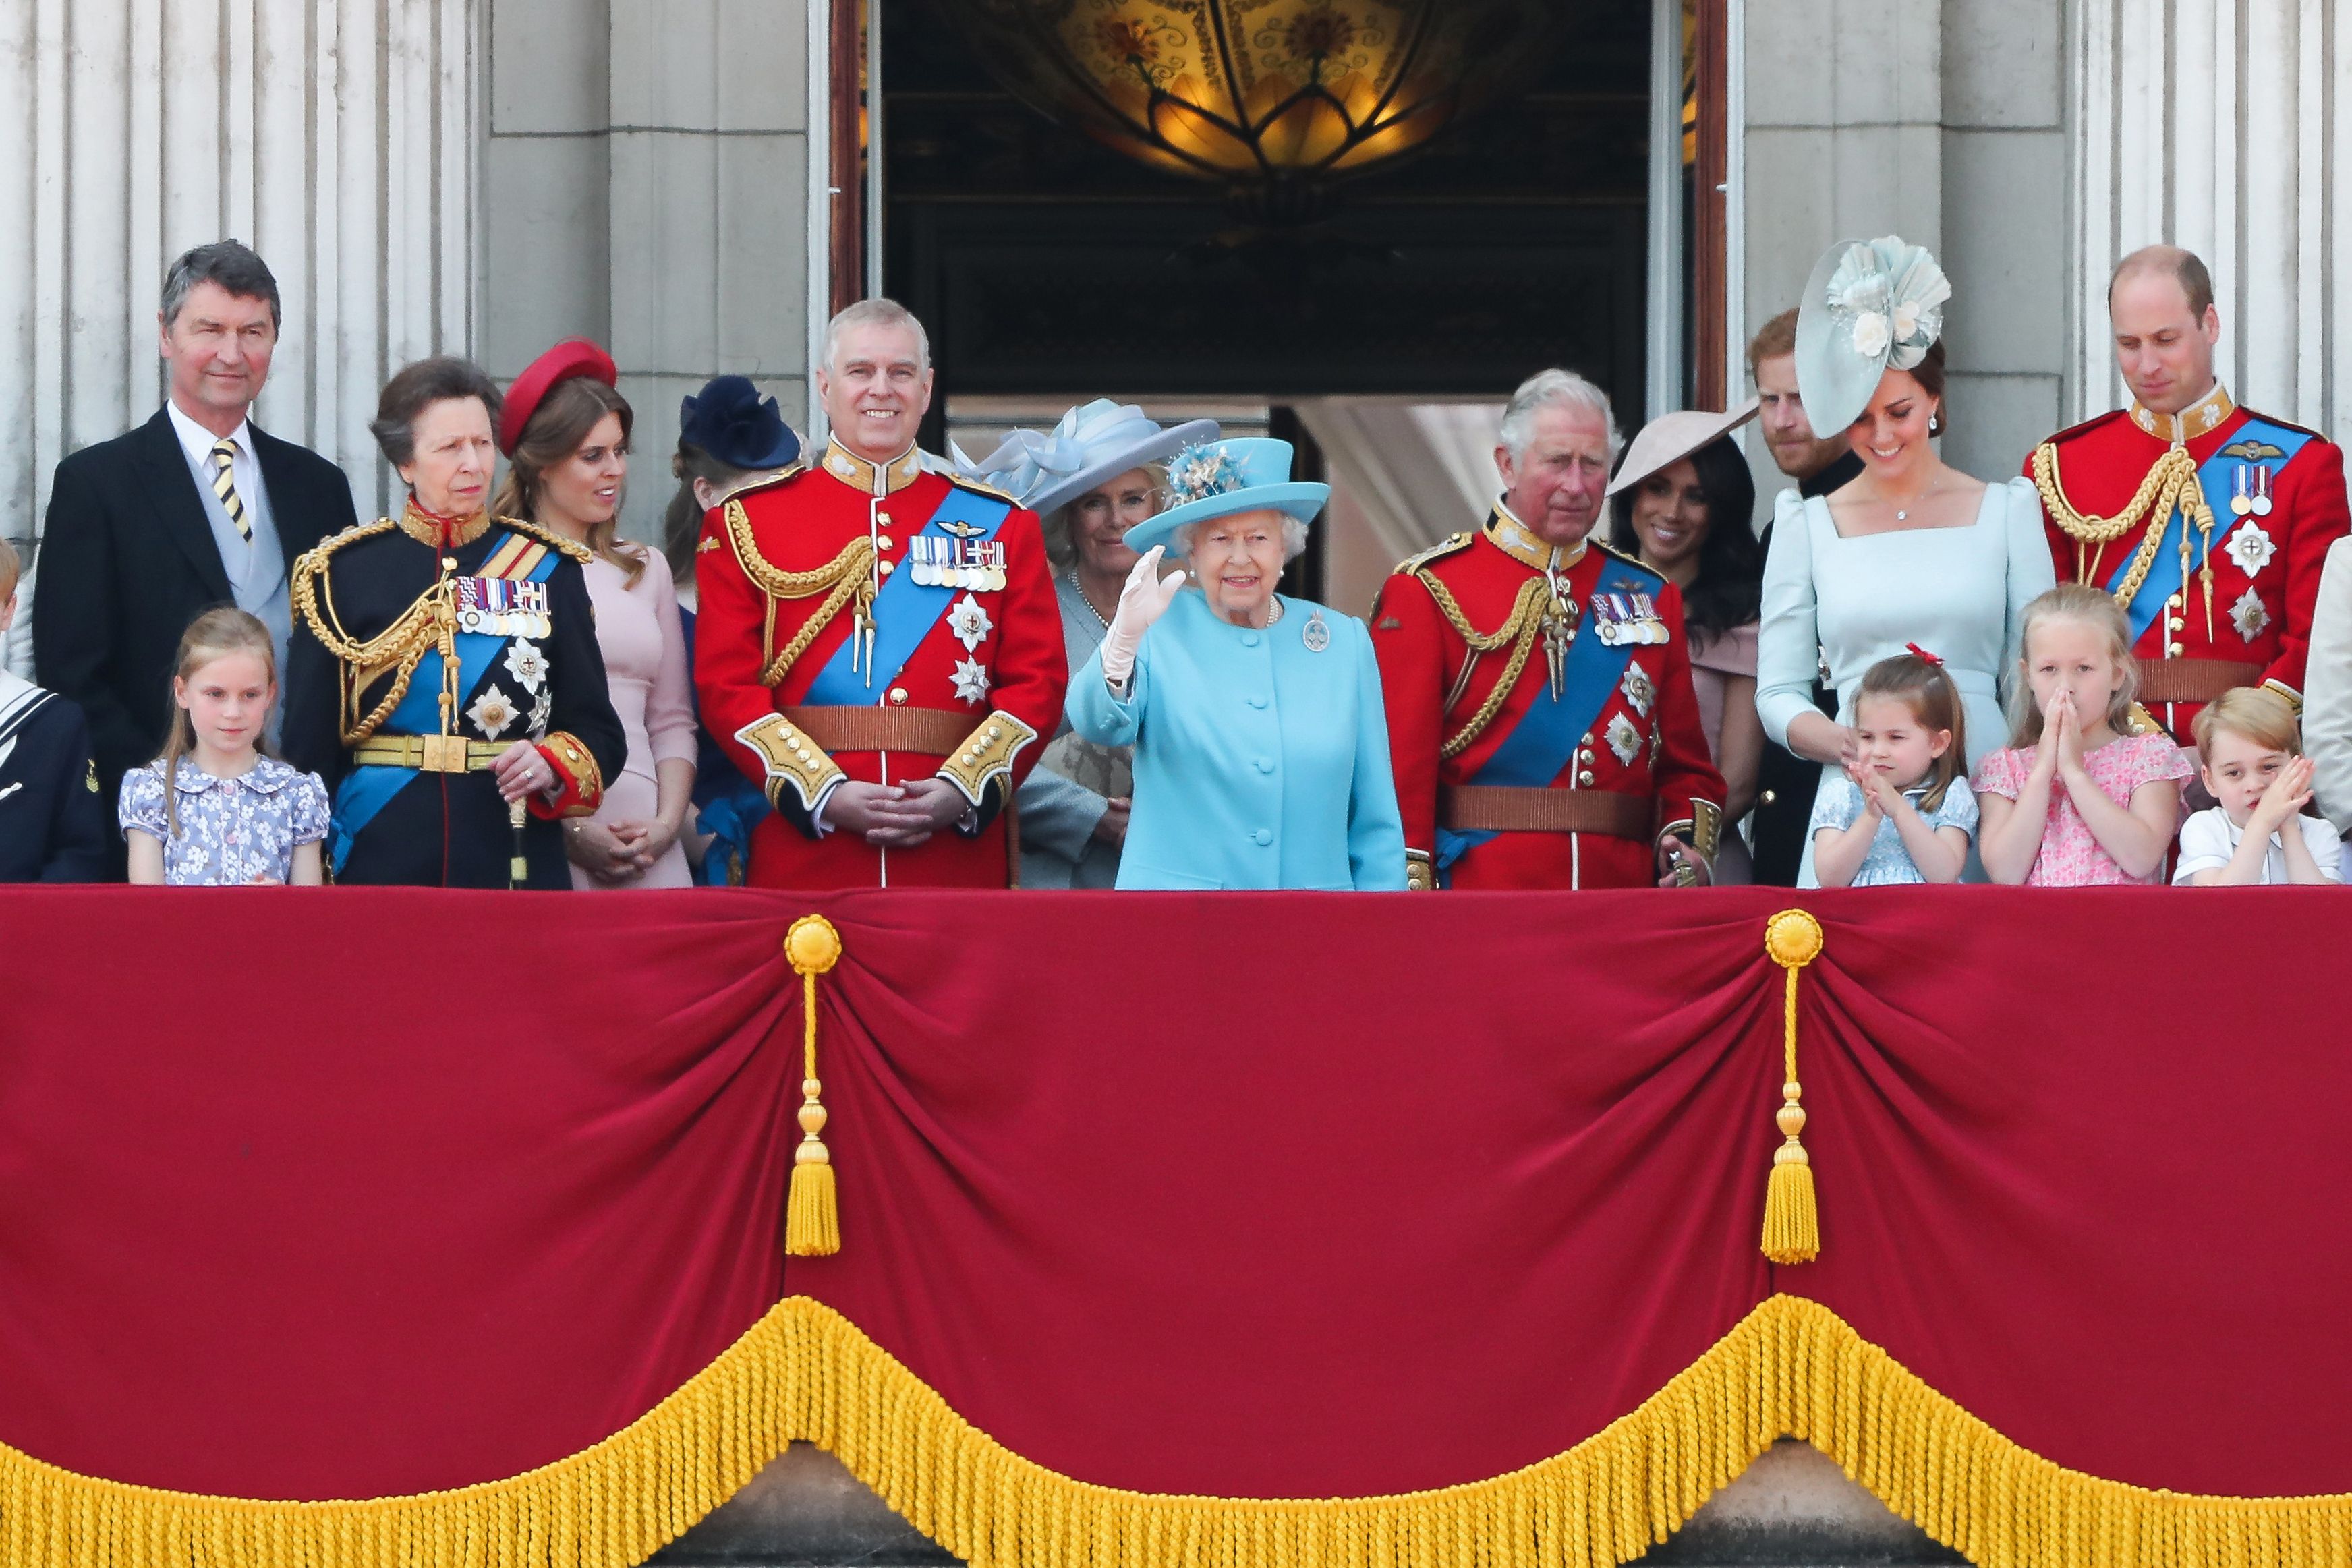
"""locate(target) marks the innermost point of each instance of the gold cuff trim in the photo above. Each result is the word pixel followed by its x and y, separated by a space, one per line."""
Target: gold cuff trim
pixel 793 761
pixel 986 754
pixel 2293 698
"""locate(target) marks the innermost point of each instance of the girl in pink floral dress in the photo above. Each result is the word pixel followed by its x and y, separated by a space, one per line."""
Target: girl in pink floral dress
pixel 2077 798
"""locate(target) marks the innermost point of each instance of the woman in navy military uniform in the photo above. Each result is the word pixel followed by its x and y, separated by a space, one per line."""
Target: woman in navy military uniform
pixel 444 678
pixel 52 820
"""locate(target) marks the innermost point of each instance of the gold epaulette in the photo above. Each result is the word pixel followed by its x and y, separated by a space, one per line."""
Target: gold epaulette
pixel 314 559
pixel 961 482
pixel 1410 565
pixel 765 479
pixel 1605 548
pixel 398 648
pixel 549 538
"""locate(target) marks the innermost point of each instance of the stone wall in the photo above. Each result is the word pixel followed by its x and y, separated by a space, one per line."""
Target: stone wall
pixel 647 184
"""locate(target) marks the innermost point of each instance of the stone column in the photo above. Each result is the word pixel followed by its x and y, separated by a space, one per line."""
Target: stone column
pixel 336 137
pixel 2219 125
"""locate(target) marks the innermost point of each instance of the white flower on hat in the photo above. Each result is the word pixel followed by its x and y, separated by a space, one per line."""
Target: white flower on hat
pixel 1870 334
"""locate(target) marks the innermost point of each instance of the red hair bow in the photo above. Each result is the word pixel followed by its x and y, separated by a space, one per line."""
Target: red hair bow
pixel 1922 652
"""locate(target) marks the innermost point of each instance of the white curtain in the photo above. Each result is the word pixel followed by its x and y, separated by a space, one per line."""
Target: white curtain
pixel 1417 471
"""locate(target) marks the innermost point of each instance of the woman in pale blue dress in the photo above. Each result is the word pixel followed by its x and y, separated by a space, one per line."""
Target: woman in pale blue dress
pixel 1909 551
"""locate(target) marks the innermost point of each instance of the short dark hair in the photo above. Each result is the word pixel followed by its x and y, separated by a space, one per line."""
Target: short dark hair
pixel 228 263
pixel 416 388
pixel 2183 265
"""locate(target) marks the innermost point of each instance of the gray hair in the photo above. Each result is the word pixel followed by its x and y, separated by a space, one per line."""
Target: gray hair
pixel 227 262
pixel 874 313
pixel 1567 390
pixel 1294 536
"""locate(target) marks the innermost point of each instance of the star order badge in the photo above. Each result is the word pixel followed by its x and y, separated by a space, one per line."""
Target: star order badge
pixel 1639 690
pixel 971 681
pixel 543 708
pixel 1623 739
pixel 2250 548
pixel 970 622
pixel 493 713
pixel 2249 616
pixel 526 664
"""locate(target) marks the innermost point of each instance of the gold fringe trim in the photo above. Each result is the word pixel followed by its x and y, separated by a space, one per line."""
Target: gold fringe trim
pixel 1790 1367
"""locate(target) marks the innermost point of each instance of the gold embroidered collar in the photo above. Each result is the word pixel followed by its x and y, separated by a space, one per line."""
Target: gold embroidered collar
pixel 428 528
pixel 2202 417
pixel 1526 547
pixel 873 478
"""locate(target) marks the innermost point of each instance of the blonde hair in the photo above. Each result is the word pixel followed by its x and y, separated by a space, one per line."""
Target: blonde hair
pixel 11 569
pixel 214 634
pixel 2257 713
pixel 1923 687
pixel 2085 606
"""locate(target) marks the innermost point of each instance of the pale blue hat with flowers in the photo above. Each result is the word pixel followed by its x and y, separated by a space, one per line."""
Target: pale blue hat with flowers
pixel 1869 307
pixel 1042 469
pixel 1247 473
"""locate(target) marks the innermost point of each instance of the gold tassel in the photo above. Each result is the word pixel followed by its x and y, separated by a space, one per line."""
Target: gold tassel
pixel 1792 1227
pixel 812 1212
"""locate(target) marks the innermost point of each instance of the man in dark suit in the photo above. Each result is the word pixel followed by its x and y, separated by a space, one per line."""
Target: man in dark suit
pixel 197 507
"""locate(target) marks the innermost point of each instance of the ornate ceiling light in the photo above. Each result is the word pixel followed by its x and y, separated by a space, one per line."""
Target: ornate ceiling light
pixel 1271 97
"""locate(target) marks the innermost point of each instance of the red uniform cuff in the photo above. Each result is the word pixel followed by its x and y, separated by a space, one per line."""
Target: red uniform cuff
pixel 579 782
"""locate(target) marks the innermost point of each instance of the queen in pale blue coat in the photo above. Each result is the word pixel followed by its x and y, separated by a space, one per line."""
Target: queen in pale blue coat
pixel 1261 746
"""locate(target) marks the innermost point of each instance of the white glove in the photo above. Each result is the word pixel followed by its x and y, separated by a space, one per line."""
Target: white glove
pixel 1144 599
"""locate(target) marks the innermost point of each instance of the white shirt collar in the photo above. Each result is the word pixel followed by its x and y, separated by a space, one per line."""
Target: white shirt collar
pixel 197 441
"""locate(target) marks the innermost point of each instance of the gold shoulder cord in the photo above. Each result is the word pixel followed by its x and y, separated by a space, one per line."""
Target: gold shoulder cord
pixel 1519 629
pixel 849 575
pixel 2170 484
pixel 549 538
pixel 401 646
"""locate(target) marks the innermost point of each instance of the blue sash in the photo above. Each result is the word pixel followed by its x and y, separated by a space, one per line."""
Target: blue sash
pixel 367 788
pixel 2215 478
pixel 905 610
pixel 1548 735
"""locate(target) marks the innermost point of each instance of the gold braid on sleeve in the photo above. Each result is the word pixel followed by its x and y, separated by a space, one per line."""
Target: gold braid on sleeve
pixel 2170 484
pixel 400 647
pixel 847 576
pixel 1518 630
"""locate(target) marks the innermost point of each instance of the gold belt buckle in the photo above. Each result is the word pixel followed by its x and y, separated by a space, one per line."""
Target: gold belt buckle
pixel 442 753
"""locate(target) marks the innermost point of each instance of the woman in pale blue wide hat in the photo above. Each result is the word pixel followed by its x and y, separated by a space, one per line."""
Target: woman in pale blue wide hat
pixel 1261 745
pixel 1096 473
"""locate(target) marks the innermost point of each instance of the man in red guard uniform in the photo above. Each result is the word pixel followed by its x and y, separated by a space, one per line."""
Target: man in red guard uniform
pixel 878 646
pixel 1542 720
pixel 2207 521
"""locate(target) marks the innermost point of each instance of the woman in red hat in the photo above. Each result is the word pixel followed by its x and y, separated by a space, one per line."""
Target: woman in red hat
pixel 565 430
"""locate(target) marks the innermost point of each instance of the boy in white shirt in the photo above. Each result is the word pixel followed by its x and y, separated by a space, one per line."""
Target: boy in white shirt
pixel 2255 768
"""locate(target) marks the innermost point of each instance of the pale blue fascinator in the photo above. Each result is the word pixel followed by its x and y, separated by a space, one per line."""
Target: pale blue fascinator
pixel 1869 306
pixel 1044 469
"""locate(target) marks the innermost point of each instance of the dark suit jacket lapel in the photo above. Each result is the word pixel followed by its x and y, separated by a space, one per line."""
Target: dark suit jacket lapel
pixel 171 488
pixel 293 505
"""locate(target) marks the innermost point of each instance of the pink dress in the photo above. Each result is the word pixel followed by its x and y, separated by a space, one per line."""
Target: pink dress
pixel 645 665
pixel 2070 856
pixel 1714 663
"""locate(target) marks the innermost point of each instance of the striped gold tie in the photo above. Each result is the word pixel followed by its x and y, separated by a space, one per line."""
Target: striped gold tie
pixel 224 486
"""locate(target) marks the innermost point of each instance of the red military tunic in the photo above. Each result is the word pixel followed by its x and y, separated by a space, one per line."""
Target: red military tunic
pixel 2265 569
pixel 1646 748
pixel 968 705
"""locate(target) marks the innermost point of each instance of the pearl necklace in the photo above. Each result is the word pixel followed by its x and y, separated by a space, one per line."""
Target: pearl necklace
pixel 1080 589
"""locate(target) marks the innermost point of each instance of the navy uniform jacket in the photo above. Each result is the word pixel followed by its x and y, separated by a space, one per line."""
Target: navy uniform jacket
pixel 450 830
pixel 52 824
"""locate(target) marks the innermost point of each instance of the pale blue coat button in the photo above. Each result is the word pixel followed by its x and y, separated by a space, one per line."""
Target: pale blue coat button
pixel 1264 835
pixel 1249 639
pixel 1264 764
pixel 1257 702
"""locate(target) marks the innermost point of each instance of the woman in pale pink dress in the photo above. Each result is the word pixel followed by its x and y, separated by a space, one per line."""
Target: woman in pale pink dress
pixel 1681 502
pixel 565 430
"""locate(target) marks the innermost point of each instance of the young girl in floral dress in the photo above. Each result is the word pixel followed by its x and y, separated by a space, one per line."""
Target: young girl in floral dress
pixel 217 810
pixel 2077 798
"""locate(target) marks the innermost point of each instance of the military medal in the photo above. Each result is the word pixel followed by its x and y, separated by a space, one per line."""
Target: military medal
pixel 970 622
pixel 2250 548
pixel 1624 740
pixel 2242 499
pixel 2260 504
pixel 2248 615
pixel 1316 634
pixel 1640 691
